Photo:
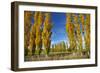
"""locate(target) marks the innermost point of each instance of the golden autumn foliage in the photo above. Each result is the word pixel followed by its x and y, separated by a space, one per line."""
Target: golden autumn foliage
pixel 87 33
pixel 77 31
pixel 32 44
pixel 40 33
pixel 46 34
pixel 70 31
pixel 82 19
pixel 38 40
pixel 27 25
pixel 74 28
pixel 85 20
pixel 35 34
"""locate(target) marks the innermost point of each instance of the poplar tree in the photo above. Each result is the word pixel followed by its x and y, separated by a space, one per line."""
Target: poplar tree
pixel 70 31
pixel 27 25
pixel 46 34
pixel 87 32
pixel 32 45
pixel 38 40
pixel 77 31
pixel 82 20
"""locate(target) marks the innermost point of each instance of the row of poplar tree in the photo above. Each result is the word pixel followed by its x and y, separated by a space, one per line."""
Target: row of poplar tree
pixel 78 27
pixel 59 47
pixel 37 35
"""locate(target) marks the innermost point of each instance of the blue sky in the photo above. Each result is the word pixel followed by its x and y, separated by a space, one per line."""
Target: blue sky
pixel 59 30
